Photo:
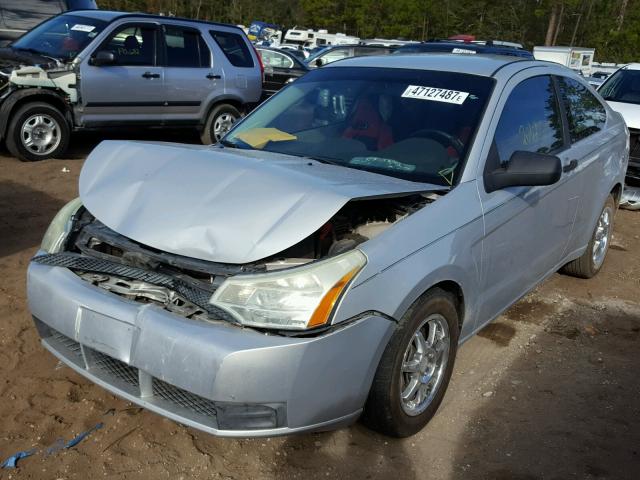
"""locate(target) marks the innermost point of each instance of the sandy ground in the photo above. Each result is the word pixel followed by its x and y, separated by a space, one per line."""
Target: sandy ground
pixel 548 391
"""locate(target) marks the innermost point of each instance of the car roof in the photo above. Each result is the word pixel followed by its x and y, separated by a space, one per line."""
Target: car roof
pixel 112 15
pixel 483 65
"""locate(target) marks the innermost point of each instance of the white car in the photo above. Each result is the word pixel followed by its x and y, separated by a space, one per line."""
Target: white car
pixel 622 91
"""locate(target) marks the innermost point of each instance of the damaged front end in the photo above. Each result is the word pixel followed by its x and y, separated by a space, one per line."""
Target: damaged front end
pixel 200 289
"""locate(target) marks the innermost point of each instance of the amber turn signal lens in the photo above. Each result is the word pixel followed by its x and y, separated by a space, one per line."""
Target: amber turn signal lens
pixel 323 310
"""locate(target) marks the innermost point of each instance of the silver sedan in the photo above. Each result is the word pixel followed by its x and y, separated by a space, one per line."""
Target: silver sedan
pixel 326 260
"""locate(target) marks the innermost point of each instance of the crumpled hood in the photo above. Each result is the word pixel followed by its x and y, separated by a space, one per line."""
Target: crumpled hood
pixel 221 205
pixel 11 58
pixel 629 111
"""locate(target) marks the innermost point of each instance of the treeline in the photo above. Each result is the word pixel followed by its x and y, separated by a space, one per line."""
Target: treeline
pixel 610 26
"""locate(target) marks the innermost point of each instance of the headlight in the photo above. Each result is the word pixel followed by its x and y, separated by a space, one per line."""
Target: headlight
pixel 60 227
pixel 299 298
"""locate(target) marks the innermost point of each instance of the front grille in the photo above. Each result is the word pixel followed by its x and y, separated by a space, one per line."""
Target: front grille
pixel 69 344
pixel 634 144
pixel 187 289
pixel 114 368
pixel 183 398
pixel 117 372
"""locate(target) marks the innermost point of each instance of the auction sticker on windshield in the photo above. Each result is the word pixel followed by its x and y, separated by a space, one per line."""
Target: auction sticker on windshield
pixel 83 28
pixel 435 94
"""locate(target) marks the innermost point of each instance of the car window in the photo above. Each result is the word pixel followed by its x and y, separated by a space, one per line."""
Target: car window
pixel 530 120
pixel 585 113
pixel 133 45
pixel 623 86
pixel 234 47
pixel 275 59
pixel 186 48
pixel 336 54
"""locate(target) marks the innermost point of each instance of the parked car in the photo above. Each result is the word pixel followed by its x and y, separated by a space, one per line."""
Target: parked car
pixel 448 46
pixel 280 68
pixel 95 69
pixel 19 16
pixel 326 259
pixel 622 92
pixel 331 54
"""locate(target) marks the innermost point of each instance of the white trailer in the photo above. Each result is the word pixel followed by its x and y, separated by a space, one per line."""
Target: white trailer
pixel 576 58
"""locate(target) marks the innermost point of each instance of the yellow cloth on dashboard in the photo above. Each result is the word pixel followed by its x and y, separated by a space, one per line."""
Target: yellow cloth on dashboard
pixel 259 137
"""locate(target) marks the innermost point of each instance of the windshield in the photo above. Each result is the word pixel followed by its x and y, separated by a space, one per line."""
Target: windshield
pixel 412 124
pixel 62 37
pixel 622 86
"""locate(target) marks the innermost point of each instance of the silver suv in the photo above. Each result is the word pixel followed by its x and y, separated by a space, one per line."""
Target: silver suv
pixel 99 69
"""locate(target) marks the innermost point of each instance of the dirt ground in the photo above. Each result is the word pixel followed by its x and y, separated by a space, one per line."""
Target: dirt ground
pixel 549 391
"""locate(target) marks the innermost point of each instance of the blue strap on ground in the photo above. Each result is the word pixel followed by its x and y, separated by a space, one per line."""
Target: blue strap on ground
pixel 74 441
pixel 12 461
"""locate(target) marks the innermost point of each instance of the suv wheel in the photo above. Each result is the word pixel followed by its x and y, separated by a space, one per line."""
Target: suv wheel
pixel 37 131
pixel 219 122
pixel 416 366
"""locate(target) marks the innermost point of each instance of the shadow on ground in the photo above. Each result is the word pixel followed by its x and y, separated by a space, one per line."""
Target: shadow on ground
pixel 562 409
pixel 24 216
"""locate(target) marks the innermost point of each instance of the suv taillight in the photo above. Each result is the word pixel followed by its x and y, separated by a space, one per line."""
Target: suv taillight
pixel 259 62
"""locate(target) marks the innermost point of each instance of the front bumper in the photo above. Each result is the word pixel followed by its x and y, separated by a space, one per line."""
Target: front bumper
pixel 216 377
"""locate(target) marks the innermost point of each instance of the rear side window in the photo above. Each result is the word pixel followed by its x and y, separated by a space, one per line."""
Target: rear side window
pixel 234 48
pixel 530 120
pixel 275 59
pixel 585 113
pixel 186 48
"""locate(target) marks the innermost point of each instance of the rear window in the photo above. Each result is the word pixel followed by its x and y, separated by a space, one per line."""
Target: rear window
pixel 234 48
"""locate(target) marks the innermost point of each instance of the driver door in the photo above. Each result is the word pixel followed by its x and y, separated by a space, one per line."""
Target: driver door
pixel 526 228
pixel 131 90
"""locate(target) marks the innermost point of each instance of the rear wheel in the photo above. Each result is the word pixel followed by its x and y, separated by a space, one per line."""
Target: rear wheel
pixel 37 131
pixel 415 369
pixel 592 259
pixel 219 122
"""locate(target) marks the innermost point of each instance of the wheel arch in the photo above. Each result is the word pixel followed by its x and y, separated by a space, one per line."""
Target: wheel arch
pixel 616 192
pixel 21 97
pixel 234 101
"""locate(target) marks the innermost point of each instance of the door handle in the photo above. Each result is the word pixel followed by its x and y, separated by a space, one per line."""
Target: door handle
pixel 150 75
pixel 211 76
pixel 572 165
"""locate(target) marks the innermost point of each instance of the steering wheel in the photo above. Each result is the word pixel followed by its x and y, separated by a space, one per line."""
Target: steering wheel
pixel 443 138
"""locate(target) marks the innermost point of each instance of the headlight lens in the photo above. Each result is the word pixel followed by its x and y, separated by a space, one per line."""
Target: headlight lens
pixel 299 298
pixel 60 227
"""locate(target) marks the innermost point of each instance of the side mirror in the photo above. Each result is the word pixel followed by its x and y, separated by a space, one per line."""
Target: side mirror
pixel 525 169
pixel 103 58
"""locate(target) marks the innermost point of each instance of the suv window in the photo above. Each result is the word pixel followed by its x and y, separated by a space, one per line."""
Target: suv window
pixel 186 48
pixel 275 59
pixel 585 113
pixel 234 48
pixel 133 45
pixel 531 120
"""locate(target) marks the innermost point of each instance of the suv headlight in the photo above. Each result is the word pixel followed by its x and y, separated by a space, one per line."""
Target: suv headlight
pixel 298 298
pixel 60 227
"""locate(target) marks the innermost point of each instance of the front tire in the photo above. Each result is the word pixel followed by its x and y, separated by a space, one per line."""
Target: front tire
pixel 416 367
pixel 37 131
pixel 592 259
pixel 219 122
